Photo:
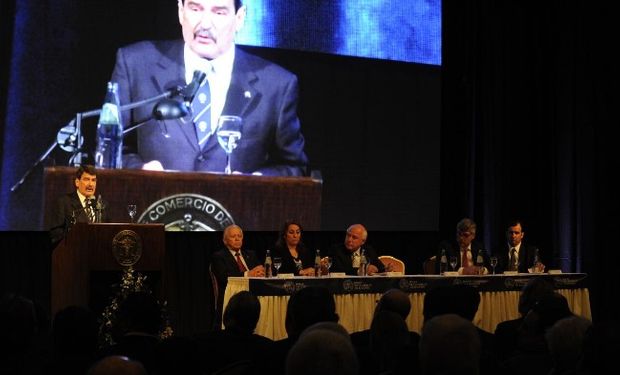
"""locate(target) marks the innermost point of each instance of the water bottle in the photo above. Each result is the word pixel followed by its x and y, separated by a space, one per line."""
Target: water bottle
pixel 443 262
pixel 536 263
pixel 268 264
pixel 363 270
pixel 110 131
pixel 317 263
pixel 480 262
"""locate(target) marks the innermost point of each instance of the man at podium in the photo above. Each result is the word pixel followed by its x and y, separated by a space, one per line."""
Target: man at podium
pixel 79 206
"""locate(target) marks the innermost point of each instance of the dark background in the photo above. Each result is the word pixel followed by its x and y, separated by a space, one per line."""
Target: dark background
pixel 529 104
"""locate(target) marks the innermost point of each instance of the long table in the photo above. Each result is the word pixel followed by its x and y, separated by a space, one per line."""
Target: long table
pixel 356 297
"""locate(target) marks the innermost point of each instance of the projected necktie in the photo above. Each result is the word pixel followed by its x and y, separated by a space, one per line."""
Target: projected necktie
pixel 201 110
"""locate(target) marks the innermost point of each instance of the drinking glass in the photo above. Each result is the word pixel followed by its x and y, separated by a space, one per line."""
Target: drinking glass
pixel 228 133
pixel 132 210
pixel 493 263
pixel 453 262
pixel 277 263
pixel 328 264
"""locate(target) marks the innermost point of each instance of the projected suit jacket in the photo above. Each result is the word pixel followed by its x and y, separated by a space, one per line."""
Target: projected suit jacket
pixel 262 93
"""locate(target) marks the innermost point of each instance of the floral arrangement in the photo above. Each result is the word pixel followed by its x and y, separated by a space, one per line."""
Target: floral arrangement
pixel 131 282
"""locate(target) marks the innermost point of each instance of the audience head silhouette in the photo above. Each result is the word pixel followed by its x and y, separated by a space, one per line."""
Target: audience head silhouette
pixel 394 300
pixel 535 289
pixel 242 313
pixel 117 365
pixel 462 300
pixel 307 306
pixel 323 348
pixel 140 312
pixel 449 333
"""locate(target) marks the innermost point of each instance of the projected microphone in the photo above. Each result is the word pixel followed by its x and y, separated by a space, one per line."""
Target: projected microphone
pixel 168 109
pixel 191 89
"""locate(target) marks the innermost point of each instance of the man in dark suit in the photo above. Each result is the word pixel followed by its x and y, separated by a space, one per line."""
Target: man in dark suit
pixel 346 257
pixel 262 93
pixel 79 206
pixel 516 255
pixel 233 260
pixel 465 249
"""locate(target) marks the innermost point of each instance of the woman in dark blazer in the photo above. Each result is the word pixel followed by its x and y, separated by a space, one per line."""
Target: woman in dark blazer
pixel 296 259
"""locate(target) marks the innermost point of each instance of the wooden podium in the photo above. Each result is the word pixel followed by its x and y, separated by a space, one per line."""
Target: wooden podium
pixel 256 203
pixel 90 247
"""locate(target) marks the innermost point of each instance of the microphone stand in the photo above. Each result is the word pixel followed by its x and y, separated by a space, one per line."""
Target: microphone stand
pixel 75 140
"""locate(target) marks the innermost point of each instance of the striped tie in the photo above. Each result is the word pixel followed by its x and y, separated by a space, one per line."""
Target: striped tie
pixel 201 110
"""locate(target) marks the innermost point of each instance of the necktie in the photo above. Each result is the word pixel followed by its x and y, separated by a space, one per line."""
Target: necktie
pixel 201 110
pixel 513 259
pixel 464 261
pixel 240 264
pixel 89 212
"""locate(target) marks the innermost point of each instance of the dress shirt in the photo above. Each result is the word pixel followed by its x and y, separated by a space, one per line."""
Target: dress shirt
pixel 219 73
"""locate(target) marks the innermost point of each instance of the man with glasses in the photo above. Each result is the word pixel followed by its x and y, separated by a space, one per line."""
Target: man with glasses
pixel 465 249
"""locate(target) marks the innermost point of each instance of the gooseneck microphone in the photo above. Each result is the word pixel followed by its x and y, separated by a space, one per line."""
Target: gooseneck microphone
pixel 191 89
pixel 169 108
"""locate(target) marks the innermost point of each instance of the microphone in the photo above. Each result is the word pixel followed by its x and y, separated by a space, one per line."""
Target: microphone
pixel 99 207
pixel 191 89
pixel 169 109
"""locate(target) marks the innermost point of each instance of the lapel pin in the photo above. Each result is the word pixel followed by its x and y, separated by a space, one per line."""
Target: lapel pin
pixel 247 94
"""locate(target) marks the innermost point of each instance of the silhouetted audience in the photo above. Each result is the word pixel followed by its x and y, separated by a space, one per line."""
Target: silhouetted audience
pixel 462 300
pixel 177 355
pixel 75 333
pixel 24 337
pixel 117 365
pixel 601 346
pixel 388 345
pixel 565 341
pixel 449 345
pixel 532 352
pixel 307 306
pixel 506 332
pixel 324 348
pixel 237 343
pixel 136 332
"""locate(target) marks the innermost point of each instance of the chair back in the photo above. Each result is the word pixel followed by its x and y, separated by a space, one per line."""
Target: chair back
pixel 392 264
pixel 429 266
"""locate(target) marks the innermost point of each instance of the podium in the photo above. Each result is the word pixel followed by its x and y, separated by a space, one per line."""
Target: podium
pixel 92 247
pixel 197 200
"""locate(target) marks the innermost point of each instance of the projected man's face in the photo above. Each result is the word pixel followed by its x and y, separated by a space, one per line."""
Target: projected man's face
pixel 209 26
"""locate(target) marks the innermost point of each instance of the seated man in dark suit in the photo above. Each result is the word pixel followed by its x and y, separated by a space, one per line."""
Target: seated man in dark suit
pixel 346 257
pixel 233 261
pixel 517 255
pixel 79 206
pixel 465 249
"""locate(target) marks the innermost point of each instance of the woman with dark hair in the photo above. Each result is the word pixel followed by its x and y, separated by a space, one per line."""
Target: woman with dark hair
pixel 296 259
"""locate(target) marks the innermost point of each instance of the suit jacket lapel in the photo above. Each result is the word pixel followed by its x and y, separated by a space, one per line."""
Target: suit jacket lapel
pixel 171 74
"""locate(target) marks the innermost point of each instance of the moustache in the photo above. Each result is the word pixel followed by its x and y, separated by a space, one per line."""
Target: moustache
pixel 204 33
